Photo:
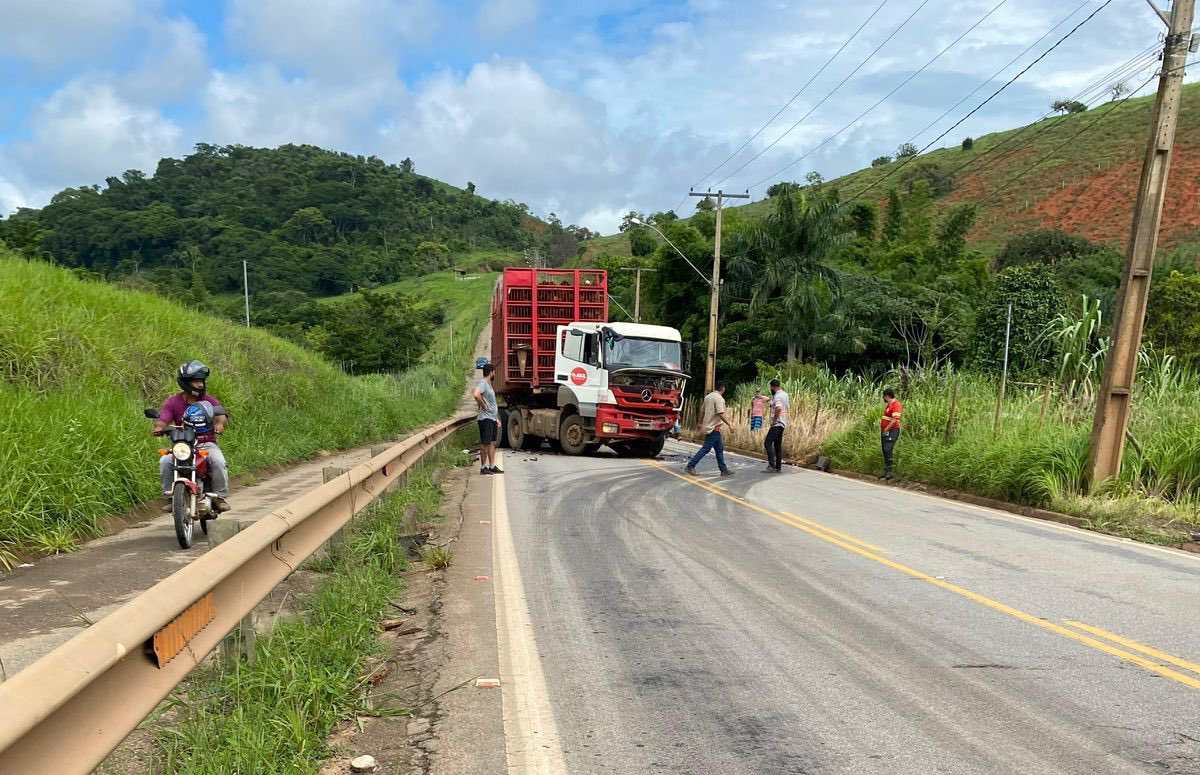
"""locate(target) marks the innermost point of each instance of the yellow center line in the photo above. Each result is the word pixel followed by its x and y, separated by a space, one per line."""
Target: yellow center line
pixel 831 531
pixel 1133 644
pixel 1154 667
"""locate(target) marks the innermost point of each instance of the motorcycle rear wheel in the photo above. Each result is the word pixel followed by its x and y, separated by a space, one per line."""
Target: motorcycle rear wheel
pixel 181 510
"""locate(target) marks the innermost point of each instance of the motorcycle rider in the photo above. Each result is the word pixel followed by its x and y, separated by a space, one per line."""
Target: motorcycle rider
pixel 192 378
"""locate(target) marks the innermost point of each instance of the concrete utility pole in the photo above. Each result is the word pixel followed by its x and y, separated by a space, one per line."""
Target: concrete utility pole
pixel 1120 366
pixel 710 373
pixel 246 290
pixel 637 290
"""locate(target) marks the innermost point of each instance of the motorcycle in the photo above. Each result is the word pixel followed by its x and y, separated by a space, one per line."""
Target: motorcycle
pixel 190 498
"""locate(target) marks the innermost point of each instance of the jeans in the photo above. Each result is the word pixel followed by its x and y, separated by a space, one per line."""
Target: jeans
pixel 217 470
pixel 711 441
pixel 888 440
pixel 774 447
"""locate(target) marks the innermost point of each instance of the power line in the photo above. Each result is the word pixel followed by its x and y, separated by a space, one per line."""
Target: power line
pixel 997 74
pixel 885 97
pixel 795 96
pixel 824 99
pixel 991 97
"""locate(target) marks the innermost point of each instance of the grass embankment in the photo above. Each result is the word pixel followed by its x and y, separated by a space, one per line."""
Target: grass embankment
pixel 277 715
pixel 1035 459
pixel 80 360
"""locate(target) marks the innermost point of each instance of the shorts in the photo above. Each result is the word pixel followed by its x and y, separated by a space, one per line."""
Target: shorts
pixel 756 423
pixel 488 431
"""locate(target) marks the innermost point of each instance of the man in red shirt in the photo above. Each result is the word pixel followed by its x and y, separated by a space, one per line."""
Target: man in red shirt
pixel 889 429
pixel 192 378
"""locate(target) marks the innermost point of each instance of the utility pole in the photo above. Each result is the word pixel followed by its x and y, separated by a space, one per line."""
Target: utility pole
pixel 710 372
pixel 1120 365
pixel 637 290
pixel 246 290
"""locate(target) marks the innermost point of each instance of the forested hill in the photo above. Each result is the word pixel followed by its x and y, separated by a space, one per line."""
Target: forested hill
pixel 306 219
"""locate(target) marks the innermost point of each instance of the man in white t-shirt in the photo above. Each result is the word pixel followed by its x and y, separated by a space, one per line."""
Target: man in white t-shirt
pixel 780 404
pixel 713 421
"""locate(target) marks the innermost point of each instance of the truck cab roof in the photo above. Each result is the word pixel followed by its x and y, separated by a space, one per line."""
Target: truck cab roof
pixel 634 330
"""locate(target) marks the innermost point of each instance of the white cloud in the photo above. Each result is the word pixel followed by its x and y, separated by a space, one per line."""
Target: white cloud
pixel 86 131
pixel 259 106
pixel 54 33
pixel 174 63
pixel 330 38
pixel 10 196
pixel 497 18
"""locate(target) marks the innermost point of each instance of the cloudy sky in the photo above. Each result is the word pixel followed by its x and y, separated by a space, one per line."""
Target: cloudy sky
pixel 587 109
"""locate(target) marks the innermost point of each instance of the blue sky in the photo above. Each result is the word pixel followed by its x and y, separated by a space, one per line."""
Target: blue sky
pixel 584 109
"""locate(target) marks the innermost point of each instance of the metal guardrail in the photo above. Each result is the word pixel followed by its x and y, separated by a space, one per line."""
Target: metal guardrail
pixel 69 710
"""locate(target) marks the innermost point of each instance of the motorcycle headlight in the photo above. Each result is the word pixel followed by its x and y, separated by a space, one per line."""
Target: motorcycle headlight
pixel 182 451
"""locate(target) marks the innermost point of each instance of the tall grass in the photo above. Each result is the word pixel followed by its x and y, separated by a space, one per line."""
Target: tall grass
pixel 1037 457
pixel 79 360
pixel 276 715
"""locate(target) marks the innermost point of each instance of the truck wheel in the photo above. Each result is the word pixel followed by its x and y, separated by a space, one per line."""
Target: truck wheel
pixel 573 435
pixel 517 437
pixel 502 442
pixel 655 447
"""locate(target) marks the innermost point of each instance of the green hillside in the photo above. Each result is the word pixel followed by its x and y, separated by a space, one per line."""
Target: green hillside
pixel 1078 173
pixel 80 359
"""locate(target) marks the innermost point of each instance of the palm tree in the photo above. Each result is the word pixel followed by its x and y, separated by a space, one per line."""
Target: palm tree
pixel 783 260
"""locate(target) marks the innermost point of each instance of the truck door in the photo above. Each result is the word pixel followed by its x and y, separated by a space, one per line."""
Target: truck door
pixel 577 367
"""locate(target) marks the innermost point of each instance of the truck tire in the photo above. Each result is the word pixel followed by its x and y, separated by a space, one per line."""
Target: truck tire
pixel 517 437
pixel 655 447
pixel 573 435
pixel 502 442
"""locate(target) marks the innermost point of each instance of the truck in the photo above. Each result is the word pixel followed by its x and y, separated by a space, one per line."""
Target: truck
pixel 567 375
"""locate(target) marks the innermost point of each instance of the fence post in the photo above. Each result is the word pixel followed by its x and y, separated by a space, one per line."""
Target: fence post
pixel 240 642
pixel 328 474
pixel 953 413
pixel 1004 373
pixel 1045 405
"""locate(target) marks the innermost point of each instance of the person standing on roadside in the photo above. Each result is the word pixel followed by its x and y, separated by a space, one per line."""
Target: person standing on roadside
pixel 758 406
pixel 488 417
pixel 780 404
pixel 889 429
pixel 713 421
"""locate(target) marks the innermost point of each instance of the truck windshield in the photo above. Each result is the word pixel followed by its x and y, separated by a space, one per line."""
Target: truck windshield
pixel 629 352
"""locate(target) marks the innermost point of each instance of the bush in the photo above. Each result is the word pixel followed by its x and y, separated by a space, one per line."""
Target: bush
pixel 968 143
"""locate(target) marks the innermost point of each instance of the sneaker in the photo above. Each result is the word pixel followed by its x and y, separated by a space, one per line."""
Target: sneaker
pixel 887 477
pixel 692 471
pixel 726 472
pixel 485 471
pixel 769 470
pixel 496 470
pixel 220 505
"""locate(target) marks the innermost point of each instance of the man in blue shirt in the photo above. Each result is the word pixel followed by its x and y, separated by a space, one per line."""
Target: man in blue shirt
pixel 488 417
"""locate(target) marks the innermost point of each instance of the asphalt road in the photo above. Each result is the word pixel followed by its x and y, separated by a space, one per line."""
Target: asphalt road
pixel 803 623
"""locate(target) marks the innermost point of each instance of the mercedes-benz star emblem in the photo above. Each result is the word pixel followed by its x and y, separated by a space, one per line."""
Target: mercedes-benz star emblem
pixel 646 395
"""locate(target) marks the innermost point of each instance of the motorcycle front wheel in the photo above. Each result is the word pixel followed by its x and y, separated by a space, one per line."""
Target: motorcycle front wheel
pixel 181 510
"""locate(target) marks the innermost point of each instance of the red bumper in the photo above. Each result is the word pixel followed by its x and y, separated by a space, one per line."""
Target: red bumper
pixel 631 425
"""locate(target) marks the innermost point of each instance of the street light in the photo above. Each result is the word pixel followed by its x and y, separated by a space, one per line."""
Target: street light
pixel 638 222
pixel 711 370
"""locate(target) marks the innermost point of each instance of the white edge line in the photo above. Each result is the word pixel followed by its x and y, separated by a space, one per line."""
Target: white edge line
pixel 531 737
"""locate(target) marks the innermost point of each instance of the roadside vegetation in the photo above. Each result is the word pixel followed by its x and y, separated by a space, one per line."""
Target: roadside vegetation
pixel 79 360
pixel 309 674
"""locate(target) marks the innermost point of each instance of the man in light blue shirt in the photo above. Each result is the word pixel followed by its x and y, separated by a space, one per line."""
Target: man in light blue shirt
pixel 488 417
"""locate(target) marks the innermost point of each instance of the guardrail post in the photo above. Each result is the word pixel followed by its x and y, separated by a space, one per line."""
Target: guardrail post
pixel 335 542
pixel 240 642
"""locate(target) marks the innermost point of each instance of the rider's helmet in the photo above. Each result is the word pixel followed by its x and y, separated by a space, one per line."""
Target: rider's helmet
pixel 188 373
pixel 199 417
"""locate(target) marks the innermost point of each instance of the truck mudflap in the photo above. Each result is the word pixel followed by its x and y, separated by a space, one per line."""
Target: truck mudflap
pixel 613 422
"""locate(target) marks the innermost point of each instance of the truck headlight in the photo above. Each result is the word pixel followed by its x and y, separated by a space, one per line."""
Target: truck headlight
pixel 609 427
pixel 182 451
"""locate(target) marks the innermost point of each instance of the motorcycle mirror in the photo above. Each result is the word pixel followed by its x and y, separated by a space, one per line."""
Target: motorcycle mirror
pixel 151 414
